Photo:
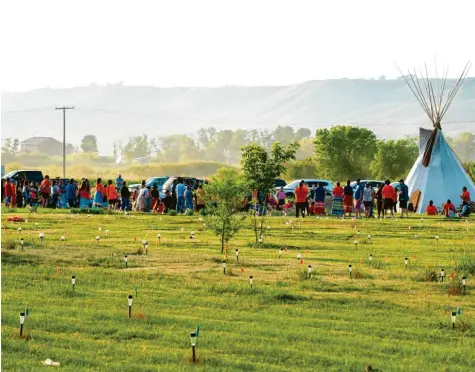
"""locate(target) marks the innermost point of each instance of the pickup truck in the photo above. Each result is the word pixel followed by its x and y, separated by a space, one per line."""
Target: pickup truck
pixel 29 175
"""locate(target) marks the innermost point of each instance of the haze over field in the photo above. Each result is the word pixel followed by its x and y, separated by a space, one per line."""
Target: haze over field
pixel 115 112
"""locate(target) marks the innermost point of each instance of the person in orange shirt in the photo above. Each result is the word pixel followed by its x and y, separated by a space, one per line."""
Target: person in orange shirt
pixel 301 193
pixel 45 191
pixel 465 195
pixel 449 209
pixel 112 196
pixel 337 204
pixel 388 193
pixel 431 209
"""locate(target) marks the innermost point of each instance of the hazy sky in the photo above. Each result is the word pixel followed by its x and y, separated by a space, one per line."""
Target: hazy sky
pixel 212 43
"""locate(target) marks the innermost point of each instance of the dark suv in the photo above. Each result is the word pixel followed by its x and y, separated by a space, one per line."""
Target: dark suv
pixel 29 175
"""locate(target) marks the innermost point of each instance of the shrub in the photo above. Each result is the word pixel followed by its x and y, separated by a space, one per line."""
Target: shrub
pixel 202 212
pixel 172 212
pixel 466 265
pixel 189 212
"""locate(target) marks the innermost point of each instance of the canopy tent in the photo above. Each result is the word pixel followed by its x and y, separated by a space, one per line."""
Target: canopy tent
pixel 437 173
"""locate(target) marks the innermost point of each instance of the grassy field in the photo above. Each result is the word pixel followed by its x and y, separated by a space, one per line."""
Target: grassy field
pixel 386 315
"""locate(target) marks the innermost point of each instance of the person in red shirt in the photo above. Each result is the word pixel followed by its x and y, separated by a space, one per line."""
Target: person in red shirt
pixel 45 191
pixel 301 193
pixel 112 196
pixel 13 201
pixel 431 209
pixel 388 193
pixel 449 209
pixel 465 195
pixel 7 187
pixel 311 209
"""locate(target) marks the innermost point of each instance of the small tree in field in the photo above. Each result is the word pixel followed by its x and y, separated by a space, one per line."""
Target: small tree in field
pixel 260 168
pixel 224 195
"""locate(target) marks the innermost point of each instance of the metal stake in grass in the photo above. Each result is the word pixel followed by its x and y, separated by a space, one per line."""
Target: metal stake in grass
pixel 237 254
pixel 437 239
pixel 126 259
pixel 19 230
pixel 442 275
pixel 73 280
pixel 369 239
pixel 107 233
pixel 22 320
pixel 97 239
pixel 158 237
pixel 350 269
pixel 224 267
pixel 130 306
pixel 251 279
pixel 370 258
pixel 21 243
pixel 146 248
pixel 41 236
pixel 193 339
pixel 261 240
pixel 309 271
pixel 454 315
pixel 356 244
pixel 406 262
pixel 280 252
pixel 464 283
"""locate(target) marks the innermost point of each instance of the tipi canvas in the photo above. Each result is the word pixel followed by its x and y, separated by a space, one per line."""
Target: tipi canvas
pixel 437 174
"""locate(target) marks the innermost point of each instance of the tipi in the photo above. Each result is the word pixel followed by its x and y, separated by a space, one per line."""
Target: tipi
pixel 437 173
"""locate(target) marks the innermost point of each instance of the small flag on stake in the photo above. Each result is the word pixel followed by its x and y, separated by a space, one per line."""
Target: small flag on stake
pixel 136 292
pixel 242 269
pixel 301 261
pixel 27 312
pixel 459 311
pixel 198 330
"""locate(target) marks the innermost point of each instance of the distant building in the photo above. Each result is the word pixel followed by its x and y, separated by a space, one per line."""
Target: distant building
pixel 45 145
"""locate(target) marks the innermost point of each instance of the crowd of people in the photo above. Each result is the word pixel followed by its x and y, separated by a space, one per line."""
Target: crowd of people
pixel 317 200
pixel 361 200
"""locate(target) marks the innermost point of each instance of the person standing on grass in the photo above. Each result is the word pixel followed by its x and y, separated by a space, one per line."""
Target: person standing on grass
pixel 348 199
pixel 125 197
pixel 71 193
pixel 112 195
pixel 119 181
pixel 54 194
pixel 388 194
pixel 180 196
pixel 337 205
pixel 319 194
pixel 26 194
pixel 155 198
pixel 188 195
pixel 368 194
pixel 13 188
pixel 358 198
pixel 84 194
pixel 431 209
pixel 403 198
pixel 45 191
pixel 379 199
pixel 174 195
pixel 167 201
pixel 281 198
pixel 301 193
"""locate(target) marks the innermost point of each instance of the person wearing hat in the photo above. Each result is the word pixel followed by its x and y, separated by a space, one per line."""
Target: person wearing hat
pixel 403 197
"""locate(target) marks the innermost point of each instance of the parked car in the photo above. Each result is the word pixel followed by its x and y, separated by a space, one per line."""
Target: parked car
pixel 29 175
pixel 290 188
pixel 279 182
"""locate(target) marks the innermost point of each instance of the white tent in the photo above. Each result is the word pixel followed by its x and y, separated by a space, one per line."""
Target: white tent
pixel 437 174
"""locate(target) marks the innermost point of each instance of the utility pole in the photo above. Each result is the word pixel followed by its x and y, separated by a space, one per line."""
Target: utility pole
pixel 64 108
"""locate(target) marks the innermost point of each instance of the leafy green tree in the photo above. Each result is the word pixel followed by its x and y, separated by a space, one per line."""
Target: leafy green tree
pixel 7 145
pixel 394 158
pixel 302 133
pixel 300 169
pixel 283 134
pixel 137 147
pixel 15 148
pixel 261 167
pixel 463 145
pixel 177 147
pixel 225 194
pixel 344 152
pixel 89 144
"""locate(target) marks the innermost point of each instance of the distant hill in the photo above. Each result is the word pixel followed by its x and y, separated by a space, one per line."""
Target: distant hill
pixel 115 112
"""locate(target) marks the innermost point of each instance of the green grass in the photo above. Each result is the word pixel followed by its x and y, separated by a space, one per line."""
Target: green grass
pixel 387 316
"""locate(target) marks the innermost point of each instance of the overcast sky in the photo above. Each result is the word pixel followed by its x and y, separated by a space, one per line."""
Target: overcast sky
pixel 214 43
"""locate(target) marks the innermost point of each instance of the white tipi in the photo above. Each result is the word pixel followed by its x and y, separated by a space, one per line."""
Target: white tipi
pixel 437 173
